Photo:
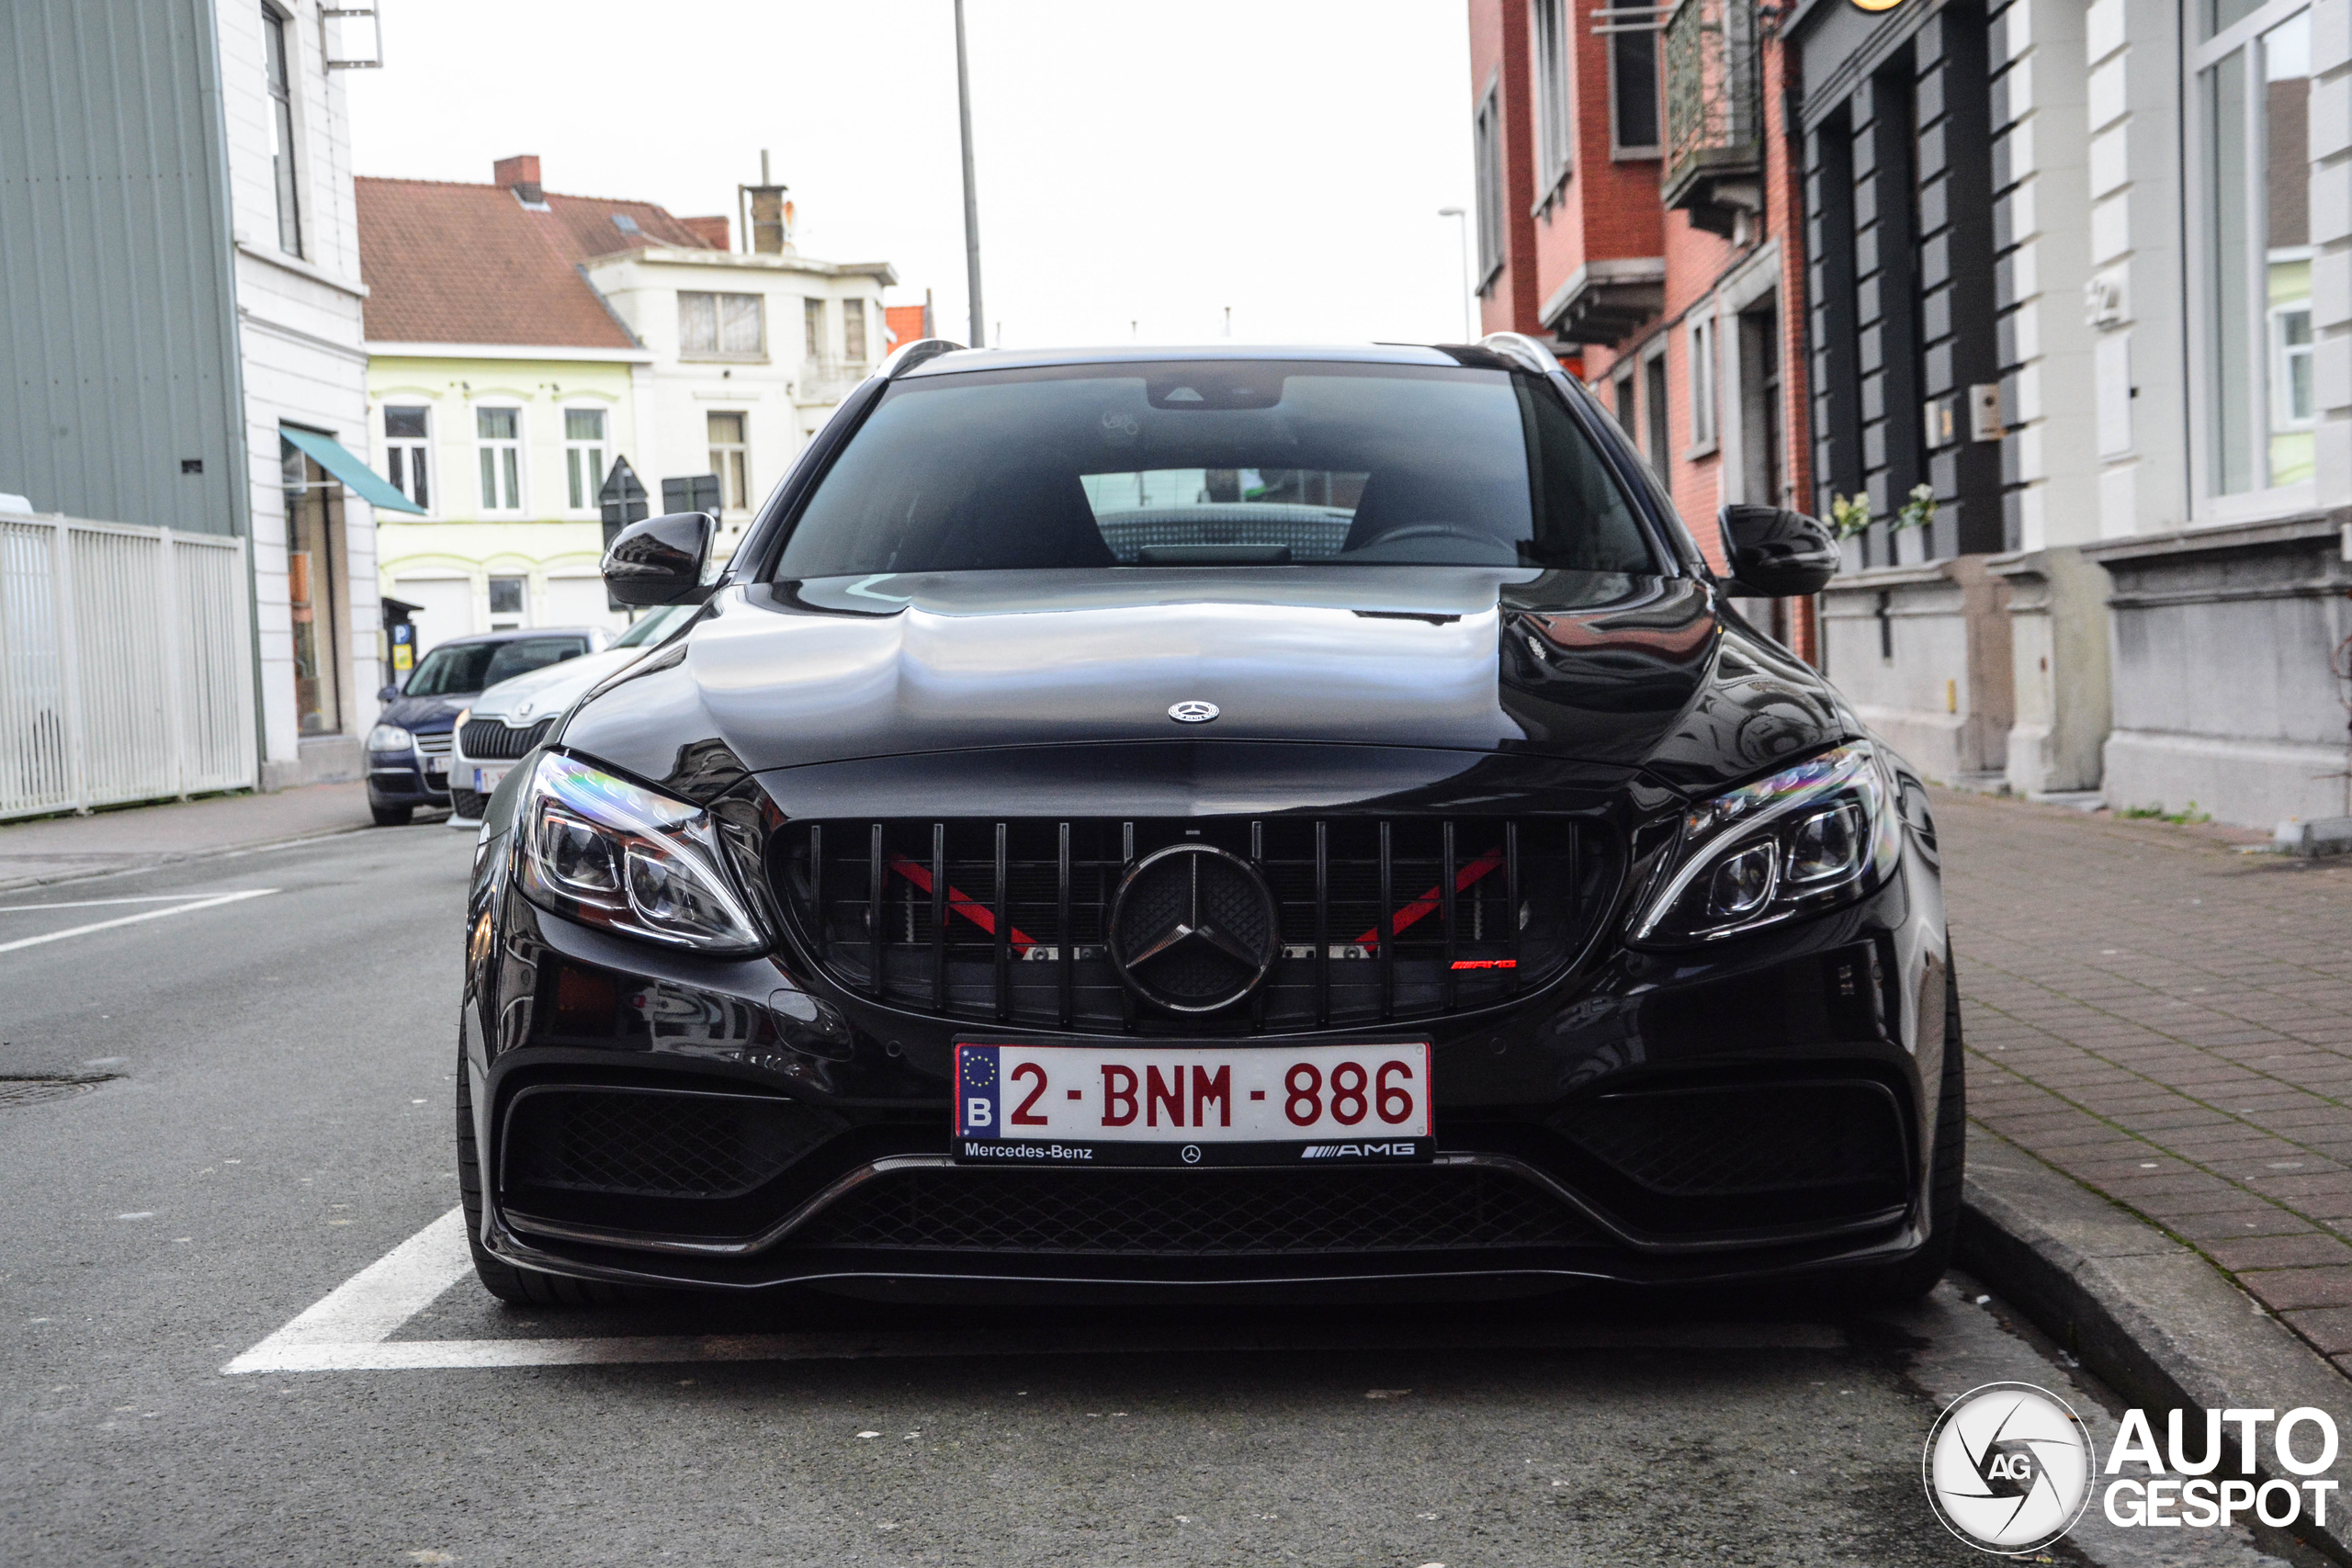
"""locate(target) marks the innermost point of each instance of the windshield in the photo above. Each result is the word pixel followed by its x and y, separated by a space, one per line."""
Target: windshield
pixel 1240 464
pixel 459 668
pixel 655 625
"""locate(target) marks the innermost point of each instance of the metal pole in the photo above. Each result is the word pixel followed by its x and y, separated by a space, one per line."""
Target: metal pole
pixel 971 194
pixel 1462 221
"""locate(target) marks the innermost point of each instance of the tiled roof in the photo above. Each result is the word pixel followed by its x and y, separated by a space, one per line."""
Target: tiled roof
pixel 447 263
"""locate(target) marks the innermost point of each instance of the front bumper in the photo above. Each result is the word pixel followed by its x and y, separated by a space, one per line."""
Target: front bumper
pixel 1845 1011
pixel 398 778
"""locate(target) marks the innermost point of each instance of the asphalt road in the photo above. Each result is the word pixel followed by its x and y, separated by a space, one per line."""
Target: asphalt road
pixel 279 1121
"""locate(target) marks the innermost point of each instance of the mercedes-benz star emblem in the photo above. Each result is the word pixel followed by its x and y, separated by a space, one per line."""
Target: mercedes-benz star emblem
pixel 1192 712
pixel 1194 929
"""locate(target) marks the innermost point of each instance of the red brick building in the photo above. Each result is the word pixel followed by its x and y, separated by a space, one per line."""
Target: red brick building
pixel 1638 211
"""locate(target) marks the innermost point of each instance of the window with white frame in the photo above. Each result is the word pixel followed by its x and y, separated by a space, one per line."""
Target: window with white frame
pixel 1554 128
pixel 854 330
pixel 583 456
pixel 1487 137
pixel 2292 404
pixel 730 460
pixel 508 595
pixel 407 440
pixel 498 435
pixel 812 326
pixel 277 45
pixel 1701 337
pixel 2250 86
pixel 721 326
pixel 1633 78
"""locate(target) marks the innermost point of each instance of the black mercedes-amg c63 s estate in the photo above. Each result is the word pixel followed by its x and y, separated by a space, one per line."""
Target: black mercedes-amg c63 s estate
pixel 1183 822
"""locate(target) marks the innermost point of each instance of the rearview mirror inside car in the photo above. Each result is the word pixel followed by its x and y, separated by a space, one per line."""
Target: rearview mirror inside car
pixel 662 560
pixel 1774 553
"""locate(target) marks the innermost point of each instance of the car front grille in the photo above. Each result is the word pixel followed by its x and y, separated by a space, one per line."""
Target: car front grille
pixel 495 740
pixel 435 745
pixel 1197 1213
pixel 1379 919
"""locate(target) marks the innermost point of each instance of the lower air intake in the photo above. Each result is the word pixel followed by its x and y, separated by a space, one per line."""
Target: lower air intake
pixel 655 1142
pixel 1196 1213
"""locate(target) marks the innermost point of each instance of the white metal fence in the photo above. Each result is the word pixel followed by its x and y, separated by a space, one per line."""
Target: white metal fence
pixel 126 664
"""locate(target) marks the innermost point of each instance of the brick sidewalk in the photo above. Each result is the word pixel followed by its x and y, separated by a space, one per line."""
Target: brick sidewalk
pixel 2169 1021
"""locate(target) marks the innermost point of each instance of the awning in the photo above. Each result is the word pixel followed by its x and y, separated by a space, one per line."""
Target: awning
pixel 364 481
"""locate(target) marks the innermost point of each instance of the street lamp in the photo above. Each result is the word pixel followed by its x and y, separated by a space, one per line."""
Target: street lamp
pixel 1469 328
pixel 971 195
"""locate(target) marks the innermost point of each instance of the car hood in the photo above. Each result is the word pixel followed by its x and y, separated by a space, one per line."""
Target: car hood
pixel 428 714
pixel 546 691
pixel 1627 672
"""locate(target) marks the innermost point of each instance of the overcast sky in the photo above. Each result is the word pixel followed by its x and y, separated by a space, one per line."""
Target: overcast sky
pixel 1145 163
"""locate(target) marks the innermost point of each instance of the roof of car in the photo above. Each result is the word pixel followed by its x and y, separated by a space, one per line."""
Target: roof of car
pixel 1136 354
pixel 585 633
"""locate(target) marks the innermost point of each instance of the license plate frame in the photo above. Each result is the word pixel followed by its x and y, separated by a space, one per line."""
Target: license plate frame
pixel 487 779
pixel 1127 1103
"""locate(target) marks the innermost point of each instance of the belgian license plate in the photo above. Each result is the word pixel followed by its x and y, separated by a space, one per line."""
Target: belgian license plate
pixel 1079 1105
pixel 436 764
pixel 486 779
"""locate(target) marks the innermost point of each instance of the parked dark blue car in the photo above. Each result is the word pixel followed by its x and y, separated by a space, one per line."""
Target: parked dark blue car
pixel 408 751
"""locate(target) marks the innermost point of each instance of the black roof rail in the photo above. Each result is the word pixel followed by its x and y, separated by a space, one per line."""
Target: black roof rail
pixel 907 355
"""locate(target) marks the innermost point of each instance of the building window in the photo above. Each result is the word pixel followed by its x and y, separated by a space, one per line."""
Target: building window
pixel 583 456
pixel 1656 426
pixel 1487 137
pixel 282 159
pixel 1554 129
pixel 731 460
pixel 2292 406
pixel 721 325
pixel 812 322
pixel 1633 80
pixel 1702 382
pixel 506 599
pixel 2254 270
pixel 854 330
pixel 498 434
pixel 405 444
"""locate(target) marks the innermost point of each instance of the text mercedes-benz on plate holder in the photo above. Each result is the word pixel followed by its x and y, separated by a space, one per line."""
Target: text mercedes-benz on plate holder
pixel 1103 1105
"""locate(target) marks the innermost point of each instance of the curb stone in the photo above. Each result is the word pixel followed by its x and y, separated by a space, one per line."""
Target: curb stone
pixel 177 857
pixel 2152 1318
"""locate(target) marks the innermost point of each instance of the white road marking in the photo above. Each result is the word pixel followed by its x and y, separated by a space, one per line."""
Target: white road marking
pixel 212 902
pixel 91 903
pixel 350 1330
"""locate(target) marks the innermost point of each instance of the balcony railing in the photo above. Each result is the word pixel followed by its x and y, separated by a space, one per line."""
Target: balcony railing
pixel 1714 121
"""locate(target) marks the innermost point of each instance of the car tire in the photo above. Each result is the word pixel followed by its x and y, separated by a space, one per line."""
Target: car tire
pixel 391 816
pixel 1901 1283
pixel 516 1287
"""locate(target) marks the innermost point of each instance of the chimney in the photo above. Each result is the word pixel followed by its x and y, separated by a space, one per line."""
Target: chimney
pixel 520 174
pixel 711 231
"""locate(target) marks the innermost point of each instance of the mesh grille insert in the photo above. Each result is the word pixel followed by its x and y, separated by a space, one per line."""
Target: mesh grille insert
pixel 1752 1139
pixel 1196 1213
pixel 655 1143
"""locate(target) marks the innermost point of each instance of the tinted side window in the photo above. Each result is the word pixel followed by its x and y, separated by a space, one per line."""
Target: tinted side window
pixel 1583 520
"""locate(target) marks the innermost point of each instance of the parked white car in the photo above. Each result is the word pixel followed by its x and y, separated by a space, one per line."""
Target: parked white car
pixel 510 718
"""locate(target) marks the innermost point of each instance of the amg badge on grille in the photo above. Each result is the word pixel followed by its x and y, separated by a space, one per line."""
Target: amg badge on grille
pixel 1192 712
pixel 1194 929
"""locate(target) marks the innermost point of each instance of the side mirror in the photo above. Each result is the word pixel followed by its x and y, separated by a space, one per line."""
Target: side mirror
pixel 1775 553
pixel 662 560
pixel 389 692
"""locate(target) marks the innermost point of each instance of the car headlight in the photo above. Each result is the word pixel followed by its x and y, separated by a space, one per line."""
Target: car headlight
pixel 1807 839
pixel 607 852
pixel 389 738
